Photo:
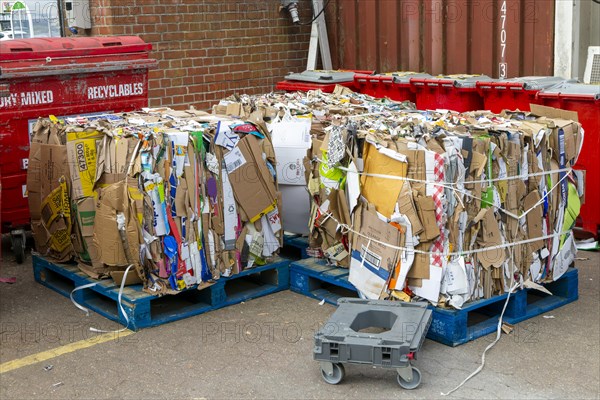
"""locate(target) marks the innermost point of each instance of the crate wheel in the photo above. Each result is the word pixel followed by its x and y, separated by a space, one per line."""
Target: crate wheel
pixel 413 383
pixel 336 375
pixel 18 248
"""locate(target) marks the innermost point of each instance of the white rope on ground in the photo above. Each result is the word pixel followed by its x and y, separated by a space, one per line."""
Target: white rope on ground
pixel 119 301
pixel 498 335
pixel 82 308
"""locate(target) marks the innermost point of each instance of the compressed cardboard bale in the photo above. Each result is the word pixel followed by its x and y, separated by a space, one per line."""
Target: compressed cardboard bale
pixel 145 191
pixel 496 188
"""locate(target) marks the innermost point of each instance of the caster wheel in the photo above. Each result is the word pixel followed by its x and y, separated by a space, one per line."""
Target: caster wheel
pixel 337 375
pixel 414 383
pixel 18 248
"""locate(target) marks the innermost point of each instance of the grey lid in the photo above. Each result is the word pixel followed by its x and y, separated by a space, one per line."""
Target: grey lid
pixel 570 87
pixel 468 81
pixel 322 76
pixel 533 82
pixel 459 81
pixel 405 76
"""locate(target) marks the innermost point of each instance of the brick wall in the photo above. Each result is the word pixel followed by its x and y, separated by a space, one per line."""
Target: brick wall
pixel 209 49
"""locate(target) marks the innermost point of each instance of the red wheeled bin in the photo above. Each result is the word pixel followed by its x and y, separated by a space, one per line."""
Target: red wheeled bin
pixel 325 81
pixel 514 93
pixel 456 93
pixel 585 99
pixel 374 85
pixel 61 77
pixel 394 86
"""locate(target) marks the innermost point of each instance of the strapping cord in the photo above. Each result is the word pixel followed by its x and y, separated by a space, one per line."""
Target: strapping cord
pixel 346 228
pixel 119 298
pixel 498 335
pixel 82 308
pixel 450 185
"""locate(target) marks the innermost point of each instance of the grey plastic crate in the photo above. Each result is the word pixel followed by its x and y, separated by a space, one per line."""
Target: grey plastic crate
pixel 349 337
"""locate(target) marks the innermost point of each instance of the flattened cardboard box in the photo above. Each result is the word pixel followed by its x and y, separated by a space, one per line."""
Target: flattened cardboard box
pixel 48 187
pixel 378 255
pixel 81 153
pixel 426 210
pixel 34 184
pixel 113 200
pixel 53 166
pixel 250 179
pixel 382 192
pixel 372 262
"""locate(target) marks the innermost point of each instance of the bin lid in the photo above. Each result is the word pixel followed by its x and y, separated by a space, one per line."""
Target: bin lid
pixel 404 77
pixel 322 76
pixel 573 88
pixel 468 81
pixel 41 48
pixel 459 81
pixel 524 82
pixel 38 57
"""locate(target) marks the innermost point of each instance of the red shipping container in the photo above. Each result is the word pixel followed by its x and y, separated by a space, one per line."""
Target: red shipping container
pixel 585 99
pixel 61 77
pixel 516 93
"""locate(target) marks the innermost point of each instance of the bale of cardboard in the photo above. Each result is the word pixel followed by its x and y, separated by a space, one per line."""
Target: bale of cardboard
pixel 183 196
pixel 433 205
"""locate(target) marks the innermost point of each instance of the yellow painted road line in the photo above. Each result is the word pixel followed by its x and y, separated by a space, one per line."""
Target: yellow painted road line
pixel 59 351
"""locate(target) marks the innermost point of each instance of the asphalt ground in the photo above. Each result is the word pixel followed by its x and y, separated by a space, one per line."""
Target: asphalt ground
pixel 263 349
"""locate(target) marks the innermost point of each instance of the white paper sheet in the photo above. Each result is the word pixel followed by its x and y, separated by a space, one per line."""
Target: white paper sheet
pixel 225 137
pixel 271 243
pixel 431 287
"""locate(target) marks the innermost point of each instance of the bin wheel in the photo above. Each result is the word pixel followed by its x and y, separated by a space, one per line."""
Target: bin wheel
pixel 337 375
pixel 18 248
pixel 414 383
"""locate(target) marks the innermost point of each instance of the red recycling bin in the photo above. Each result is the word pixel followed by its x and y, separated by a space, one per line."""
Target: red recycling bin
pixel 585 100
pixel 325 81
pixel 394 86
pixel 374 85
pixel 299 86
pixel 515 93
pixel 456 93
pixel 61 77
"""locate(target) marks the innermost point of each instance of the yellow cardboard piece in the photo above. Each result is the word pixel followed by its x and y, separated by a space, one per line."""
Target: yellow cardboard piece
pixel 382 192
pixel 82 157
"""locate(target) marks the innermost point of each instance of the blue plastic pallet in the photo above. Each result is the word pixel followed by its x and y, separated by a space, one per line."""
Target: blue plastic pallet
pixel 298 242
pixel 313 278
pixel 480 318
pixel 146 310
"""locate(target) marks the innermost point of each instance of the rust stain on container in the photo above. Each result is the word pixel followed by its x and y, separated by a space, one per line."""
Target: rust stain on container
pixel 444 36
